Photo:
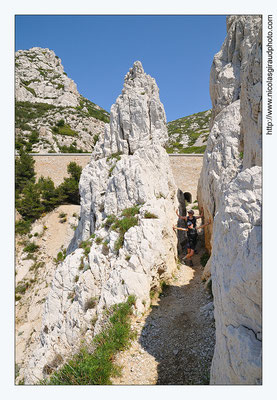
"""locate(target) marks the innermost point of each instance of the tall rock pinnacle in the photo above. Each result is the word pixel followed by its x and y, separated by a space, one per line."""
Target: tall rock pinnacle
pixel 137 118
pixel 128 203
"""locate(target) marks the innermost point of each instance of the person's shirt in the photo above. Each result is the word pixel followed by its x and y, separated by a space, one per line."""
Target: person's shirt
pixel 193 220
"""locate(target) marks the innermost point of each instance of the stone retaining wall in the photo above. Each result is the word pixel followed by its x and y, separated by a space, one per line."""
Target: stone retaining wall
pixel 186 168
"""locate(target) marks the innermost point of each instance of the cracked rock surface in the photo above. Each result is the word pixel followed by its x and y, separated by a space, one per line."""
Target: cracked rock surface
pixel 229 190
pixel 130 169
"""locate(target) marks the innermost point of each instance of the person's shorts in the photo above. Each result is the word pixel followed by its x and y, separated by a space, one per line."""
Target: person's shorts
pixel 191 244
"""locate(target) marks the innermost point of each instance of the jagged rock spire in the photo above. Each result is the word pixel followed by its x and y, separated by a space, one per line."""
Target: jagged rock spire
pixel 137 118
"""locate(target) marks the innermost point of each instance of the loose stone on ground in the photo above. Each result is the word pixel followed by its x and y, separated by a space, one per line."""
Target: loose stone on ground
pixel 176 336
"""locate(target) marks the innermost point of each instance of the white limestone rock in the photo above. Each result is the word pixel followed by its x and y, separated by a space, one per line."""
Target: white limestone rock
pixel 137 117
pixel 41 71
pixel 230 62
pixel 229 190
pixel 40 78
pixel 140 177
pixel 236 282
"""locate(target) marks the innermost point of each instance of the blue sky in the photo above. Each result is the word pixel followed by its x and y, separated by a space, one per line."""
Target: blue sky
pixel 97 52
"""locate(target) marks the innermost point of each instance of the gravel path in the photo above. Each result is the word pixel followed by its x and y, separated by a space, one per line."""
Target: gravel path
pixel 176 336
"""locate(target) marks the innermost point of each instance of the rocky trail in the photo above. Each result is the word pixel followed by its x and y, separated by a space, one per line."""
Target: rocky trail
pixel 176 337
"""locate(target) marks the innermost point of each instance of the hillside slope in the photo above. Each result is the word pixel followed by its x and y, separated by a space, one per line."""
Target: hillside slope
pixel 50 113
pixel 189 134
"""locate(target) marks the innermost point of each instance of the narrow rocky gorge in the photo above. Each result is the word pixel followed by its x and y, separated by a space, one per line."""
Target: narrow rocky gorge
pixel 125 244
pixel 176 336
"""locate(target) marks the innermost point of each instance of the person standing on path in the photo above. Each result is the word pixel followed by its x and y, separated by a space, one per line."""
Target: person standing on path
pixel 192 238
pixel 191 217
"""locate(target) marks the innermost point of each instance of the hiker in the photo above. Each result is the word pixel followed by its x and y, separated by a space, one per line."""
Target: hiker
pixel 191 216
pixel 192 238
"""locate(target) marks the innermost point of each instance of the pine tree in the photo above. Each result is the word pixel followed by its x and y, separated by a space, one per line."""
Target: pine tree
pixel 24 170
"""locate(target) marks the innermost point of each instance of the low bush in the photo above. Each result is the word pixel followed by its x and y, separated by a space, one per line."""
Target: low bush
pixel 150 215
pixel 22 227
pixel 31 248
pixel 97 368
pixel 60 256
pixel 132 211
pixel 86 245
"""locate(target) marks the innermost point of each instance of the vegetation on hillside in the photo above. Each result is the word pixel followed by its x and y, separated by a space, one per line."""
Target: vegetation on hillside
pixel 91 109
pixel 97 367
pixel 30 116
pixel 33 199
pixel 184 132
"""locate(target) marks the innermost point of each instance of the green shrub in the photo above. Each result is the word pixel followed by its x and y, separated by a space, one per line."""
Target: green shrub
pixel 124 224
pixel 26 111
pixel 64 130
pixel 149 215
pixel 97 368
pixel 86 245
pixel 22 287
pixel 111 170
pixel 60 256
pixel 22 227
pixel 62 215
pixel 132 211
pixel 60 123
pixel 37 265
pixel 117 156
pixel 31 248
pixel 24 170
pixel 31 90
pixel 110 220
pixel 29 204
pixel 98 240
pixel 95 139
pixel 70 149
pixel 119 243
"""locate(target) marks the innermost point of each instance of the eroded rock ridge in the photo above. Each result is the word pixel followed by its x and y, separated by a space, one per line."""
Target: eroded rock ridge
pixel 124 243
pixel 51 115
pixel 230 191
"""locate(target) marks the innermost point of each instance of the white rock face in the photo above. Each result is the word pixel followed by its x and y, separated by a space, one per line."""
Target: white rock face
pixel 141 177
pixel 230 63
pixel 41 71
pixel 137 117
pixel 40 78
pixel 236 279
pixel 230 191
